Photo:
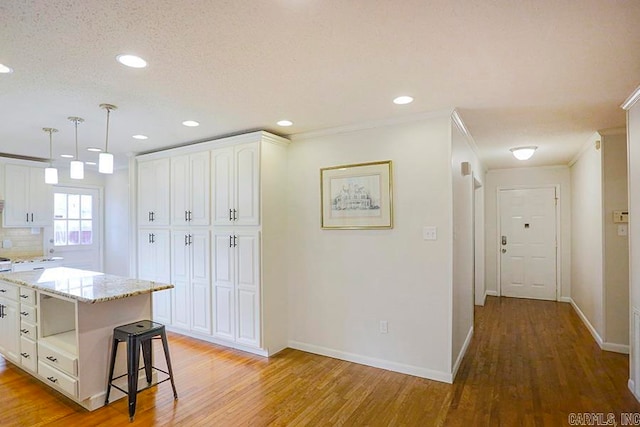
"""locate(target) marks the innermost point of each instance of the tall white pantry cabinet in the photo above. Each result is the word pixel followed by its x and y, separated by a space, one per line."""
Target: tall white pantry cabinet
pixel 222 247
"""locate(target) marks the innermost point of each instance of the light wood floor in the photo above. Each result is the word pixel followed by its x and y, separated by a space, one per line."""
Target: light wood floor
pixel 530 363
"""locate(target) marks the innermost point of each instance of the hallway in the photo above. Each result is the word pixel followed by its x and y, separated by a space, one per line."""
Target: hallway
pixel 530 363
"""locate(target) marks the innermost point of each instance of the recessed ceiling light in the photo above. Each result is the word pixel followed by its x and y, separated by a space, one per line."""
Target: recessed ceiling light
pixel 5 70
pixel 90 163
pixel 401 100
pixel 191 123
pixel 285 123
pixel 140 137
pixel 131 61
pixel 67 156
pixel 94 149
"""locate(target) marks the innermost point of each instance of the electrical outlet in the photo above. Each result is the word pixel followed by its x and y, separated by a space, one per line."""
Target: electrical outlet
pixel 384 327
pixel 429 233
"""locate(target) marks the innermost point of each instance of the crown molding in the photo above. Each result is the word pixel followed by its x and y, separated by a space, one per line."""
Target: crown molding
pixel 371 125
pixel 631 100
pixel 455 117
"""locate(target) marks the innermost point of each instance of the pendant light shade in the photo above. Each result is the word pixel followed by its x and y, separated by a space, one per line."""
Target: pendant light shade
pixel 50 173
pixel 105 160
pixel 76 167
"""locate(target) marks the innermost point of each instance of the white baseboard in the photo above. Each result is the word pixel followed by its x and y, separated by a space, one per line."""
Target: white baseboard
pixel 565 299
pixel 490 293
pixel 616 348
pixel 463 351
pixel 374 362
pixel 632 388
pixel 586 322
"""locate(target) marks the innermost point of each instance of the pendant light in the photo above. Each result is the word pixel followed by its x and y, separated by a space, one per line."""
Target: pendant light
pixel 50 173
pixel 76 166
pixel 105 160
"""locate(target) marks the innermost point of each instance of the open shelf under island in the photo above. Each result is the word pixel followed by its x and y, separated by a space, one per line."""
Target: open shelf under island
pixel 57 325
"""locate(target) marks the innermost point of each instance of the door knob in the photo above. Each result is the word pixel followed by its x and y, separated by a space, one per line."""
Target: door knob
pixel 504 251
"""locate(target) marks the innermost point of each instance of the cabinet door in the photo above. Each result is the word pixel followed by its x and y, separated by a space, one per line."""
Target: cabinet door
pixel 222 186
pixel 146 196
pixel 180 187
pixel 153 192
pixel 161 185
pixel 16 195
pixel 10 330
pixel 154 264
pixel 248 288
pixel 180 261
pixel 247 184
pixel 200 189
pixel 40 199
pixel 223 285
pixel 200 282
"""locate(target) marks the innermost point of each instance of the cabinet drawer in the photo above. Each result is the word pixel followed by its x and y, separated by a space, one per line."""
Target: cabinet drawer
pixel 9 291
pixel 28 330
pixel 27 296
pixel 28 313
pixel 58 379
pixel 61 360
pixel 28 354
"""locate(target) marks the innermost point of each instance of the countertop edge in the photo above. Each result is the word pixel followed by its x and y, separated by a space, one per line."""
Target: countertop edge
pixel 153 288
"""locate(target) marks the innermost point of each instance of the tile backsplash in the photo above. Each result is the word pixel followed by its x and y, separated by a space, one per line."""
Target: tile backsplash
pixel 24 244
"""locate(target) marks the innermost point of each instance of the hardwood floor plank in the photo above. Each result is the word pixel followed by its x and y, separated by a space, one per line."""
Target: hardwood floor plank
pixel 530 363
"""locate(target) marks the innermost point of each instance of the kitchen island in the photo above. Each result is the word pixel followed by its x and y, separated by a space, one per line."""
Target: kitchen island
pixel 57 325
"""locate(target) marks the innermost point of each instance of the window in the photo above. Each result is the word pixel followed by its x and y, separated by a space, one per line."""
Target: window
pixel 72 219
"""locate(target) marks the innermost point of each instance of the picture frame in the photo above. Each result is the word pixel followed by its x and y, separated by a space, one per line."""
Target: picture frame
pixel 357 196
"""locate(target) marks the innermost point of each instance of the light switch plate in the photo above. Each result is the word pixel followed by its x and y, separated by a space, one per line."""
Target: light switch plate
pixel 430 233
pixel 622 230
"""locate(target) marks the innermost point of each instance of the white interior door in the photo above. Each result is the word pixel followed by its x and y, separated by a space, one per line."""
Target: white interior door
pixel 77 227
pixel 528 243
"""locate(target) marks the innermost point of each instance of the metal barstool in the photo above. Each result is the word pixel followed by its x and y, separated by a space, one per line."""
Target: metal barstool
pixel 136 335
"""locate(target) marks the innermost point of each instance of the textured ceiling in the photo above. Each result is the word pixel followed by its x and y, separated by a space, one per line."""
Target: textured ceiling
pixel 546 73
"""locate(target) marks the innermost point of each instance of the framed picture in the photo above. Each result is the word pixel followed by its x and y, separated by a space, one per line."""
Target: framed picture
pixel 357 196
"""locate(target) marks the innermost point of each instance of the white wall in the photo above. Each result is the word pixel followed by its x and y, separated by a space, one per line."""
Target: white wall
pixel 463 243
pixel 633 138
pixel 616 248
pixel 342 283
pixel 587 236
pixel 116 223
pixel 527 177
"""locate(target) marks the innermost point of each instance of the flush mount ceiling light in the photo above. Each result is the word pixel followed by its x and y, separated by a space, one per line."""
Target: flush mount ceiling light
pixel 285 123
pixel 50 173
pixel 105 161
pixel 523 153
pixel 5 70
pixel 140 137
pixel 132 61
pixel 402 100
pixel 76 167
pixel 190 123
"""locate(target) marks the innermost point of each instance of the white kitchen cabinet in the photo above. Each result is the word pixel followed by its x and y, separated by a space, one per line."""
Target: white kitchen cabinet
pixel 236 284
pixel 9 323
pixel 154 264
pixel 28 200
pixel 28 329
pixel 226 263
pixel 153 192
pixel 236 185
pixel 190 274
pixel 190 186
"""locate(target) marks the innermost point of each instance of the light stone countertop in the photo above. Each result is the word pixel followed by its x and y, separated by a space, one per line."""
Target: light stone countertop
pixel 83 285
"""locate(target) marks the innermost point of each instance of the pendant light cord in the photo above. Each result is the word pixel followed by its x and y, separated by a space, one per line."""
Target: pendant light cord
pixel 106 143
pixel 76 121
